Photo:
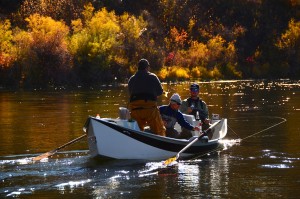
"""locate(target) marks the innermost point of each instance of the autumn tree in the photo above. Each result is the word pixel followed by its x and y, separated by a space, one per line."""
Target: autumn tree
pixel 289 46
pixel 50 60
pixel 7 52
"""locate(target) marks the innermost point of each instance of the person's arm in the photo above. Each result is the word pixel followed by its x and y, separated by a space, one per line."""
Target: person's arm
pixel 203 112
pixel 130 85
pixel 182 122
pixel 159 88
pixel 161 109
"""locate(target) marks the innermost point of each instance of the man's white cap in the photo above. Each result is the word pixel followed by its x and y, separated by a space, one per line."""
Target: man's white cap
pixel 176 98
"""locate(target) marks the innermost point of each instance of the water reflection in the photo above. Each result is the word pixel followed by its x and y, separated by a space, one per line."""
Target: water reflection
pixel 188 175
pixel 277 160
pixel 72 185
pixel 262 166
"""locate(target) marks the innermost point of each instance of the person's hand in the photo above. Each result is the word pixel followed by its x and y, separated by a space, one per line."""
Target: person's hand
pixel 206 121
pixel 189 109
pixel 165 122
pixel 196 128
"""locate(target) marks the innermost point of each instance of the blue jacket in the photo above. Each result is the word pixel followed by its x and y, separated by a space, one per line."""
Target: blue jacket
pixel 166 111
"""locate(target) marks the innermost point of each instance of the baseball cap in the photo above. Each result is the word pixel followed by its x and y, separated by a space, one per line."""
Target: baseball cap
pixel 194 87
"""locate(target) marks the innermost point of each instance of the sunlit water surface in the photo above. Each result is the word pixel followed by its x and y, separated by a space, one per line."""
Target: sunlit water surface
pixel 260 157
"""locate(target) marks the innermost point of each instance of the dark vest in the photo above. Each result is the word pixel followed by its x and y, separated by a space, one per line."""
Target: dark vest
pixel 194 112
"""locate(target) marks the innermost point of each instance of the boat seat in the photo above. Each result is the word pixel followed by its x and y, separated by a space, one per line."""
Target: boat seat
pixel 124 113
pixel 190 119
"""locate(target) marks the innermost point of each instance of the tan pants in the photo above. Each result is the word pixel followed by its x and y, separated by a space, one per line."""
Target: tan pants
pixel 147 113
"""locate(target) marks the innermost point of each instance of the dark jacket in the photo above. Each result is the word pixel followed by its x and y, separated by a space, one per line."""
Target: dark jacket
pixel 144 84
pixel 172 116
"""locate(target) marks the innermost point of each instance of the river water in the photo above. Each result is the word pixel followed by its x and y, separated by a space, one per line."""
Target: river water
pixel 260 157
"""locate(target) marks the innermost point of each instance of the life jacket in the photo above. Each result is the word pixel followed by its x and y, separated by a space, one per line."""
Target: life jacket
pixel 195 109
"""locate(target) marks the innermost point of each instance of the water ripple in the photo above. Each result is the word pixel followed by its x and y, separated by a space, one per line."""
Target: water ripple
pixel 277 166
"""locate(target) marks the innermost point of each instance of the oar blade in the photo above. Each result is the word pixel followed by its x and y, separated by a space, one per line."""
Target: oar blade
pixel 43 156
pixel 50 153
pixel 170 160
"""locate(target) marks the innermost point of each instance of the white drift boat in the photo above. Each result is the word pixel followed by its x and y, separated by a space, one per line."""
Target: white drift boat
pixel 122 139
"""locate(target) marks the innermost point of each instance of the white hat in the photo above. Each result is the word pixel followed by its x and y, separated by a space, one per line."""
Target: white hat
pixel 176 98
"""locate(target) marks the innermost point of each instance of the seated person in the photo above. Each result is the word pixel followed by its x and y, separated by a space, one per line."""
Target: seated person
pixel 170 115
pixel 194 105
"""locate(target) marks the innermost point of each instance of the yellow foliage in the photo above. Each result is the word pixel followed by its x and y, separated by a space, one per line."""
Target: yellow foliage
pixel 192 23
pixel 204 72
pixel 78 41
pixel 198 52
pixel 291 37
pixel 230 52
pixel 88 11
pixel 6 33
pixel 46 27
pixel 23 41
pixel 215 46
pixel 132 69
pixel 163 73
pixel 131 26
pixel 215 73
pixel 77 25
pixel 103 28
pixel 174 72
pixel 98 36
pixel 257 53
pixel 66 10
pixel 176 39
pixel 7 49
pixel 196 72
pixel 232 71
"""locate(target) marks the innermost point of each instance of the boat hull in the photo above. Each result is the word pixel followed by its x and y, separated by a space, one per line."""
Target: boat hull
pixel 120 139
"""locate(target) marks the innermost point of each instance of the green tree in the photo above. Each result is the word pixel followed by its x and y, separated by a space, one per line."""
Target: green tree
pixel 94 47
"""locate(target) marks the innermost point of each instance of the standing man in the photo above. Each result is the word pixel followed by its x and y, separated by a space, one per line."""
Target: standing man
pixel 193 105
pixel 144 88
pixel 171 115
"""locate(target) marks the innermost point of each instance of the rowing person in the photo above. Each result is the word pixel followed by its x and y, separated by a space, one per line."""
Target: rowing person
pixel 171 114
pixel 144 88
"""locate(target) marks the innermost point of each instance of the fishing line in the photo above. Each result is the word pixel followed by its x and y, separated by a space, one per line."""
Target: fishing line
pixel 233 131
pixel 283 120
pixel 218 149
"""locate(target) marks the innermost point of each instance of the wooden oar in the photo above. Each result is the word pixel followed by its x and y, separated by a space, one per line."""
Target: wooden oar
pixel 170 160
pixel 45 155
